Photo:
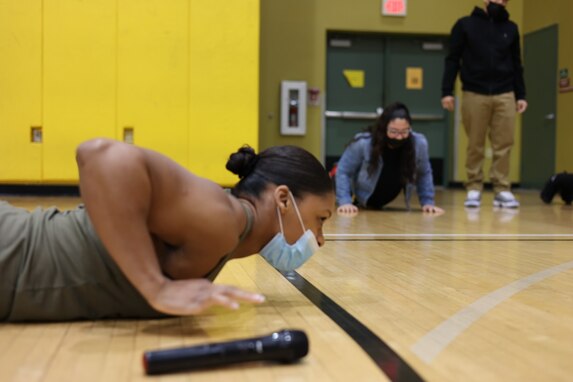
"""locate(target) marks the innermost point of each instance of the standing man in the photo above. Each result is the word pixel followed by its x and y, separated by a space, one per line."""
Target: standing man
pixel 485 49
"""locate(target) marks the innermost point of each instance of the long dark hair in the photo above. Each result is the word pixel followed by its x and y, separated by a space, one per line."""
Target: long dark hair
pixel 289 165
pixel 379 133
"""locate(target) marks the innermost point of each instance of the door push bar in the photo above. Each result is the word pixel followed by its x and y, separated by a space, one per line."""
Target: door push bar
pixel 373 115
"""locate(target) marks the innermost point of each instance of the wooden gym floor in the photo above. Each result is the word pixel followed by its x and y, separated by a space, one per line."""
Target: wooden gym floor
pixel 394 295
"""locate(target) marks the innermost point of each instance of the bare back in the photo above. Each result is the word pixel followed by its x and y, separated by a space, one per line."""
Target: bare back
pixel 192 219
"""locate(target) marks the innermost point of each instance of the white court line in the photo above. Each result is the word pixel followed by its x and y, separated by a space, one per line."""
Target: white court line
pixel 430 345
pixel 374 235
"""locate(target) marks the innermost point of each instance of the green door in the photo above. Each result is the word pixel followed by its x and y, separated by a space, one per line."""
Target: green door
pixel 538 129
pixel 413 75
pixel 406 69
pixel 355 67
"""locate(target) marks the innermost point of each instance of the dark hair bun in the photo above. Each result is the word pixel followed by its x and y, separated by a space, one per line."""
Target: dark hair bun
pixel 243 161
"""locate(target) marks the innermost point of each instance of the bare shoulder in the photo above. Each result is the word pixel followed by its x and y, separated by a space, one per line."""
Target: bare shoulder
pixel 164 171
pixel 187 209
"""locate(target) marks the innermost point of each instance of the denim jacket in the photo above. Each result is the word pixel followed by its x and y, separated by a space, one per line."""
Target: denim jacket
pixel 352 174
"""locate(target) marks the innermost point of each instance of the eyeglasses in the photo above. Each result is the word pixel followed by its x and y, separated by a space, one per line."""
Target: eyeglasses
pixel 403 133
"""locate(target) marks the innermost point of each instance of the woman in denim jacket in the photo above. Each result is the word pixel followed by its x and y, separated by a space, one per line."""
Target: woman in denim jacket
pixel 378 164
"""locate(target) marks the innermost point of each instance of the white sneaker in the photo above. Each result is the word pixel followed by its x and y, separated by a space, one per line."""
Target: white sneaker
pixel 473 199
pixel 505 199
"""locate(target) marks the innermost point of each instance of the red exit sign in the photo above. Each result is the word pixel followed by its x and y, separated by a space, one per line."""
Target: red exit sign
pixel 394 7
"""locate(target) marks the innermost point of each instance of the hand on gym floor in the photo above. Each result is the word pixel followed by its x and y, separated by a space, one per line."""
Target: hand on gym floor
pixel 347 209
pixel 188 297
pixel 434 210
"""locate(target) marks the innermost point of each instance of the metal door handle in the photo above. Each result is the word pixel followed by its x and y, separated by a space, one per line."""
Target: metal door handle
pixel 350 114
pixel 550 117
pixel 370 116
pixel 427 117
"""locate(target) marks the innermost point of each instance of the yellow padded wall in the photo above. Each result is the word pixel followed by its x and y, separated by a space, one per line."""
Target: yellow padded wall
pixel 20 89
pixel 79 80
pixel 224 71
pixel 153 74
pixel 183 74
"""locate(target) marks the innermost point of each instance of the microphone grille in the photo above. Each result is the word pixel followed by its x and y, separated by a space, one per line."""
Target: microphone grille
pixel 298 342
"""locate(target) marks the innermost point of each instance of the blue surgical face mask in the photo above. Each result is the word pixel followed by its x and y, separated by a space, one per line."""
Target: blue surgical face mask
pixel 287 257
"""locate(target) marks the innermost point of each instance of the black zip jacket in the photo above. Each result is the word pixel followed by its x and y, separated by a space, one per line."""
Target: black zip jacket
pixel 487 54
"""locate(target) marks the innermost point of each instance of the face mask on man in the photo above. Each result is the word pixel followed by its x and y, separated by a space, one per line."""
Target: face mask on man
pixel 287 257
pixel 497 12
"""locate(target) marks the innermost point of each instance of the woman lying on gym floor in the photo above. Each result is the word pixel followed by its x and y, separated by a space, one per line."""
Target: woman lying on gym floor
pixel 151 236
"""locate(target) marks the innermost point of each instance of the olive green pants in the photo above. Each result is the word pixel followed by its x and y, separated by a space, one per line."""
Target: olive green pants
pixel 53 267
pixel 13 225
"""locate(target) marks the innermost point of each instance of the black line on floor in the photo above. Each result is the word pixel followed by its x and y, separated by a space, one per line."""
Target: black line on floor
pixel 395 368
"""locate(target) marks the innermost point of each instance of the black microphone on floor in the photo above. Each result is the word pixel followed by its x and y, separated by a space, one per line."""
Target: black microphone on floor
pixel 282 346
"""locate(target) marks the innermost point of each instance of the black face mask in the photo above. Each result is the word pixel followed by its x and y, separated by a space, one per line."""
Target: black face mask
pixel 396 143
pixel 497 12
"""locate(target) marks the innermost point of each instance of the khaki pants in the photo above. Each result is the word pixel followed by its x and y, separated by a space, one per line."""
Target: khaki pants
pixel 494 116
